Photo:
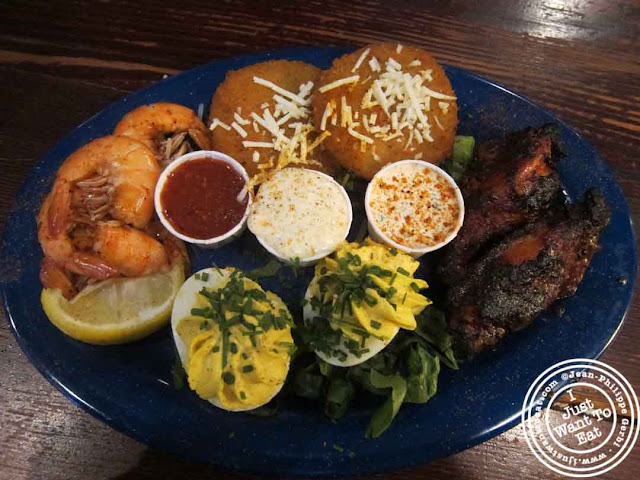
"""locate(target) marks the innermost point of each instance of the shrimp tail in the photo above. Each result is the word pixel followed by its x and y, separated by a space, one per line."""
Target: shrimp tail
pixel 59 213
pixel 53 276
pixel 91 265
pixel 201 138
pixel 177 252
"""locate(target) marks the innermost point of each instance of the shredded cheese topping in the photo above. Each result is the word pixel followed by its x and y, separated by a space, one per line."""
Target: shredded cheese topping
pixel 287 120
pixel 374 64
pixel 405 99
pixel 360 60
pixel 217 123
pixel 339 83
pixel 239 129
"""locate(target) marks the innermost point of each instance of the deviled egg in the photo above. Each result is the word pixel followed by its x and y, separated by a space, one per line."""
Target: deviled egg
pixel 359 299
pixel 233 338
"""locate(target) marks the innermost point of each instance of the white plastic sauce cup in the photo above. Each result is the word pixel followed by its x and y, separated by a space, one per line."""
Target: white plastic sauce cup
pixel 379 236
pixel 214 242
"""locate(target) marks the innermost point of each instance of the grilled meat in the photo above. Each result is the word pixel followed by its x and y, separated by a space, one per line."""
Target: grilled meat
pixel 513 181
pixel 526 272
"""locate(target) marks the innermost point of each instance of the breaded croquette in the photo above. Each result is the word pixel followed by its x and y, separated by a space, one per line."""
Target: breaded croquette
pixel 385 103
pixel 261 116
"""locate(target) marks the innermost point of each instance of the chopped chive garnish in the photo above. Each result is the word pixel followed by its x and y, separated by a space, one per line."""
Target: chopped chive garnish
pixel 204 277
pixel 225 347
pixel 229 378
pixel 338 448
pixel 204 325
pixel 244 356
pixel 371 301
pixel 414 286
pixel 234 348
pixel 391 292
pixel 217 268
pixel 247 369
pixel 375 324
pixel 197 276
pixel 243 396
pixel 216 349
pixel 403 271
pixel 405 297
pixel 394 251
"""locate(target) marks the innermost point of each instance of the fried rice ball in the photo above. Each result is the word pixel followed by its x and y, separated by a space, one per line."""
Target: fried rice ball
pixel 240 95
pixel 365 158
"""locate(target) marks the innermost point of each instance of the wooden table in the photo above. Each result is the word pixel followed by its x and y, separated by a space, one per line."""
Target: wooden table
pixel 60 62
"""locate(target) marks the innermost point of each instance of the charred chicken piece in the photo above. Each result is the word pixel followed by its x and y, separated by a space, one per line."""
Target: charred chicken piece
pixel 513 181
pixel 526 272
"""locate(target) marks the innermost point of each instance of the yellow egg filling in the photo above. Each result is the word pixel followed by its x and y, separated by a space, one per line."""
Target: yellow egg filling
pixel 368 290
pixel 239 343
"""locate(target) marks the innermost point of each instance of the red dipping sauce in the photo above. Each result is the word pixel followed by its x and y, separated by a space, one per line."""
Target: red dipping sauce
pixel 199 198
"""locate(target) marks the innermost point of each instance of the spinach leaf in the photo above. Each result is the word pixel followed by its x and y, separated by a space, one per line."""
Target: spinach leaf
pixel 339 395
pixel 326 369
pixel 462 157
pixel 178 375
pixel 269 270
pixel 432 327
pixel 423 371
pixel 385 363
pixel 308 384
pixel 384 415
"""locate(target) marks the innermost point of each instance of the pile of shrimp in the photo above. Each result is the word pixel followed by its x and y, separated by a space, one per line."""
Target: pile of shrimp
pixel 98 221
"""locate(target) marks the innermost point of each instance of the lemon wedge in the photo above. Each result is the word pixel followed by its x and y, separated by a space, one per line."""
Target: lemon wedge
pixel 116 311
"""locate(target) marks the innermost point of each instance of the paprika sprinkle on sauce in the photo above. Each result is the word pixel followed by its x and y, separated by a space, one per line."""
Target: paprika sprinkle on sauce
pixel 199 198
pixel 415 205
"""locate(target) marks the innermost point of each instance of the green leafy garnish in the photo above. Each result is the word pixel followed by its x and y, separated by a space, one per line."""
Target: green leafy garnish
pixel 269 270
pixel 423 371
pixel 406 371
pixel 307 383
pixel 338 397
pixel 178 375
pixel 385 414
pixel 458 164
pixel 432 328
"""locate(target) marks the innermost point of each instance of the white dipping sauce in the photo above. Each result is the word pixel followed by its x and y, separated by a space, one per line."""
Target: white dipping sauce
pixel 301 214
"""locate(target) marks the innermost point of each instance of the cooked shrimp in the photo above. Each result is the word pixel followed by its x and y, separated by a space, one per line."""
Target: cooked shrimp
pixel 131 252
pixel 61 251
pixel 99 251
pixel 175 248
pixel 111 176
pixel 53 276
pixel 169 129
pixel 83 224
pixel 103 250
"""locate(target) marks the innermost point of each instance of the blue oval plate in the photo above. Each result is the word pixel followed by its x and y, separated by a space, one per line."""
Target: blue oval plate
pixel 130 387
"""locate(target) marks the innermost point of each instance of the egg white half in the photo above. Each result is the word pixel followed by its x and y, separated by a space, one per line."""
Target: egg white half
pixel 374 345
pixel 184 302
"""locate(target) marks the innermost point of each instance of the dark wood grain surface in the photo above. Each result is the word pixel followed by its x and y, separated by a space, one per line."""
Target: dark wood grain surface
pixel 61 62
